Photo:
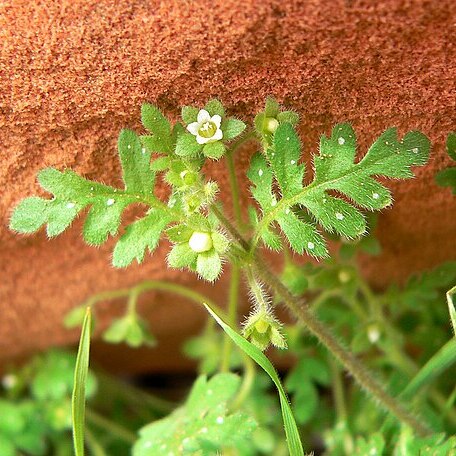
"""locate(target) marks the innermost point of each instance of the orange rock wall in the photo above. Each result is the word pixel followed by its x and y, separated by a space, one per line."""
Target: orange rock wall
pixel 73 73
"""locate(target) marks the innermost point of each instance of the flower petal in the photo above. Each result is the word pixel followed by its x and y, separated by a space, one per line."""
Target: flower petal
pixel 201 140
pixel 203 116
pixel 218 135
pixel 217 120
pixel 193 128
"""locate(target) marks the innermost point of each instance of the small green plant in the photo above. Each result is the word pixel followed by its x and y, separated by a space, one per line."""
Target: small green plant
pixel 294 212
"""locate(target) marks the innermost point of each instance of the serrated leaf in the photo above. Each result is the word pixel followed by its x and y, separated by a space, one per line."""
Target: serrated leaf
pixel 202 426
pixel 302 236
pixel 335 171
pixel 72 193
pixel 186 145
pixel 154 121
pixel 103 220
pixel 140 236
pixel 260 174
pixel 232 128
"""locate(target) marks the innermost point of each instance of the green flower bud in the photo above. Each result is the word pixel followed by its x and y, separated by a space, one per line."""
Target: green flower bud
pixel 262 329
pixel 270 124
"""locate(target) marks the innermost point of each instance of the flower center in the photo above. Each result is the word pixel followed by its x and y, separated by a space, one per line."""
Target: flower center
pixel 200 242
pixel 207 129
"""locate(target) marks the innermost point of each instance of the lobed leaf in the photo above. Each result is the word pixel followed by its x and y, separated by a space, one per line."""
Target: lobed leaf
pixel 140 236
pixel 336 175
pixel 203 425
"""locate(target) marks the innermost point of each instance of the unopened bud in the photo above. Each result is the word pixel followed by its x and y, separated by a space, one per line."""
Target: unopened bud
pixel 200 242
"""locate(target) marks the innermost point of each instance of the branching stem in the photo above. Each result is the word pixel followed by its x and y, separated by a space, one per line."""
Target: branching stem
pixel 304 315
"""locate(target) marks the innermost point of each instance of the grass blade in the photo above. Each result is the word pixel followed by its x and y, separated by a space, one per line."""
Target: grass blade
pixel 441 361
pixel 80 378
pixel 291 430
pixel 451 309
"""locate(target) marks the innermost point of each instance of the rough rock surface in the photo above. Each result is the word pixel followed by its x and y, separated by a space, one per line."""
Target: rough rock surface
pixel 74 72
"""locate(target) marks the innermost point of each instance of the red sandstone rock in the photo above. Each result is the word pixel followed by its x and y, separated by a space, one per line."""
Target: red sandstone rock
pixel 75 72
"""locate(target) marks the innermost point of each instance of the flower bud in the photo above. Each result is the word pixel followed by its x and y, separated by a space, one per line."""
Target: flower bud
pixel 271 124
pixel 263 329
pixel 200 242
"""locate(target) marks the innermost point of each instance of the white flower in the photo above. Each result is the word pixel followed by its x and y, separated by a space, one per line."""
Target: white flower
pixel 206 128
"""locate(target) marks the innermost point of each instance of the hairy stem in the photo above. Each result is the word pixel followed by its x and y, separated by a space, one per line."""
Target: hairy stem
pixel 325 336
pixel 233 296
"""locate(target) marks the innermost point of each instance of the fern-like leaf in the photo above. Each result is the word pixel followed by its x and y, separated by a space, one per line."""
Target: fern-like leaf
pixel 339 185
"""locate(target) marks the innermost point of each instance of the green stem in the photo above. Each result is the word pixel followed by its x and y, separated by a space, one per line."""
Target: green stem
pixel 256 290
pixel 114 429
pixel 233 298
pixel 338 391
pixel 112 386
pixel 393 351
pixel 325 336
pixel 234 188
pixel 149 285
pixel 247 383
pixel 95 448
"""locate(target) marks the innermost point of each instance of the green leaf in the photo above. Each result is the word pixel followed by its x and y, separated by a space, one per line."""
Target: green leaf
pixel 154 121
pixel 189 114
pixel 30 215
pixel 301 381
pixel 291 430
pixel 214 150
pixel 12 421
pixel 140 236
pixel 232 128
pixel 214 107
pixel 130 329
pixel 374 445
pixel 72 193
pixel 284 159
pixel 451 145
pixel 451 309
pixel 80 378
pixel 187 146
pixel 203 425
pixel 290 117
pixel 181 256
pixel 447 178
pixel 209 265
pixel 53 380
pixel 135 160
pixel 335 171
pixel 272 107
pixel 435 445
pixel 438 364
